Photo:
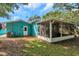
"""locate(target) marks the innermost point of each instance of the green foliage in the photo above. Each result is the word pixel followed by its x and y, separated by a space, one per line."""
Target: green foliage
pixel 34 17
pixel 53 15
pixel 62 6
pixel 5 8
pixel 64 12
pixel 37 48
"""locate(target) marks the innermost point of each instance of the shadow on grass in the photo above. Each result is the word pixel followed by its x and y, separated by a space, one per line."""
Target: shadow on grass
pixel 71 43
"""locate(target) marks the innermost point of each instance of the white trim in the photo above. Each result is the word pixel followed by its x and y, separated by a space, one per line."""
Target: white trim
pixel 23 30
pixel 56 39
pixel 44 38
pixel 50 28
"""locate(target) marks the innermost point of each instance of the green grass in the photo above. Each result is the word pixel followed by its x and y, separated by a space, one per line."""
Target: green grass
pixel 37 48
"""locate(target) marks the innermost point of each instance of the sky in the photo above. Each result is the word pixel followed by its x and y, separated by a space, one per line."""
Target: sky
pixel 26 11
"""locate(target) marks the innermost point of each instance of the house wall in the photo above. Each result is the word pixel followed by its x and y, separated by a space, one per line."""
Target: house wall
pixel 17 28
pixel 34 27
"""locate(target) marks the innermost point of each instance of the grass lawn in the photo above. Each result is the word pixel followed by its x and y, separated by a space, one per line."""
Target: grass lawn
pixel 37 48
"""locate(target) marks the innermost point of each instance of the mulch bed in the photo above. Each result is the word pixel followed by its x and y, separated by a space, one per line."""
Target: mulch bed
pixel 11 47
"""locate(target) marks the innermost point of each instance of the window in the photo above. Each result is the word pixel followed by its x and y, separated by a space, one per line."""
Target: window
pixel 25 28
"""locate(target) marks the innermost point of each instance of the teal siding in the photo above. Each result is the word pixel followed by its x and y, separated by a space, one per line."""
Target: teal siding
pixel 17 28
pixel 3 31
pixel 34 29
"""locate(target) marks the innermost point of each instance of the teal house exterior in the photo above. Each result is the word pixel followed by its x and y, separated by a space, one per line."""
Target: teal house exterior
pixel 46 30
pixel 21 28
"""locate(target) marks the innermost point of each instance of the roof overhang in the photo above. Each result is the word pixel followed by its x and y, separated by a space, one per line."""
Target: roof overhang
pixel 59 21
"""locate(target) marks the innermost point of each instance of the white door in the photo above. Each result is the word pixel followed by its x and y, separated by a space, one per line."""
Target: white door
pixel 25 30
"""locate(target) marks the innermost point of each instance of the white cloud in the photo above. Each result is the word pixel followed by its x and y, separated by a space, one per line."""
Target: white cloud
pixel 48 5
pixel 47 8
pixel 32 5
pixel 15 17
pixel 26 10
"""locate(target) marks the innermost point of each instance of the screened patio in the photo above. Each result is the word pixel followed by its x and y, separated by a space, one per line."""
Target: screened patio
pixel 54 31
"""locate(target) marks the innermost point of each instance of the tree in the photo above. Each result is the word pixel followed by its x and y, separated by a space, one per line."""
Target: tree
pixel 66 6
pixel 5 8
pixel 34 17
pixel 53 15
pixel 64 11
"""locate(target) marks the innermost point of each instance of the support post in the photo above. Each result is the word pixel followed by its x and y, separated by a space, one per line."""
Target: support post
pixel 40 30
pixel 45 30
pixel 61 29
pixel 75 31
pixel 50 27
